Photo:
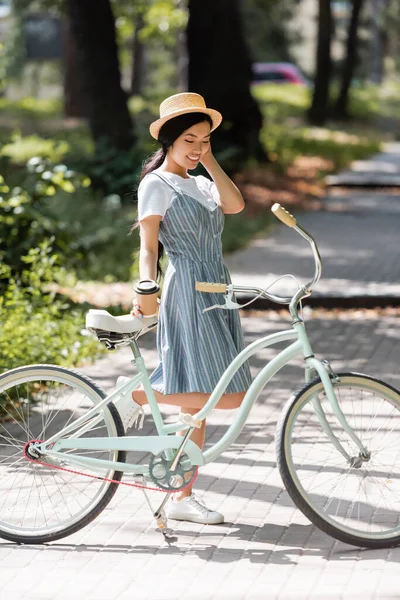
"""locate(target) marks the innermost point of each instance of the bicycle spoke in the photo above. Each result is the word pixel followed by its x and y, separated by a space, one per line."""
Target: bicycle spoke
pixel 39 501
pixel 361 498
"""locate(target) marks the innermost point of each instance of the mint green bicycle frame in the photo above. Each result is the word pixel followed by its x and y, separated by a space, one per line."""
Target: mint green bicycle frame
pixel 168 443
pixel 164 441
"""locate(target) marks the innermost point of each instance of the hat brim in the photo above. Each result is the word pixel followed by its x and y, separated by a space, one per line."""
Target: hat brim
pixel 215 116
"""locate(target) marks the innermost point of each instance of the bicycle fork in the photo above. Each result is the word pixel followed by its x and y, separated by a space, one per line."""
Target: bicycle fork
pixel 324 370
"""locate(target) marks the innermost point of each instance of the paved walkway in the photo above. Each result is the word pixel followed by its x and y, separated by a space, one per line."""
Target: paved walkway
pixel 266 549
pixel 359 242
pixel 382 169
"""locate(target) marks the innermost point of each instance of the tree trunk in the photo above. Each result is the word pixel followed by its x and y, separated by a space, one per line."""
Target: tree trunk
pixel 138 57
pixel 92 25
pixel 376 62
pixel 73 97
pixel 319 108
pixel 220 70
pixel 181 50
pixel 341 107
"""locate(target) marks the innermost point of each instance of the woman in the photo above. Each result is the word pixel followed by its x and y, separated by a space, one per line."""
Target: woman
pixel 186 215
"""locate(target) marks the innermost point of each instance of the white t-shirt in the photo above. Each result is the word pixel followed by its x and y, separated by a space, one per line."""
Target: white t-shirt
pixel 155 196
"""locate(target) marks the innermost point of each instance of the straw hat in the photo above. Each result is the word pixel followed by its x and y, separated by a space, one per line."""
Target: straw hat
pixel 180 104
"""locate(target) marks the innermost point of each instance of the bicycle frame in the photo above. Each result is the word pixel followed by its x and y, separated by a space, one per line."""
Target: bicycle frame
pixel 164 441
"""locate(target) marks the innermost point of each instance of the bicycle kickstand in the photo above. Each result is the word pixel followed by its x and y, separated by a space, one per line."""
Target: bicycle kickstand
pixel 159 514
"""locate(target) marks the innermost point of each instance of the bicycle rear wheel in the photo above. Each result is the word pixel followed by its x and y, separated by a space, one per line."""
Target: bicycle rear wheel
pixel 356 501
pixel 41 503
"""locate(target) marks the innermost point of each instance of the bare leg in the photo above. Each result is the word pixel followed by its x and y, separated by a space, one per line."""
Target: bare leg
pixel 195 400
pixel 197 437
pixel 191 403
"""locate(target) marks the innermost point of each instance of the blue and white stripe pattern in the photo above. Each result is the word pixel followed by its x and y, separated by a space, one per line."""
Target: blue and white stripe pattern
pixel 195 348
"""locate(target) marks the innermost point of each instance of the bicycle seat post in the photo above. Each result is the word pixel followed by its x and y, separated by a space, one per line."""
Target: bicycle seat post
pixel 135 349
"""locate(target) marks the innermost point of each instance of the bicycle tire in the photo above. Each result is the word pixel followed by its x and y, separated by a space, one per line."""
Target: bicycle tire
pixel 29 414
pixel 339 516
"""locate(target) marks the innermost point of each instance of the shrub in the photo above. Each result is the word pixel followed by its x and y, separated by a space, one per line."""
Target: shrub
pixel 36 325
pixel 26 215
pixel 21 149
pixel 111 171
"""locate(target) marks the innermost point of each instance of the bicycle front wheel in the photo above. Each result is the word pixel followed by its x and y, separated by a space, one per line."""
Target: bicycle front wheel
pixel 40 503
pixel 355 499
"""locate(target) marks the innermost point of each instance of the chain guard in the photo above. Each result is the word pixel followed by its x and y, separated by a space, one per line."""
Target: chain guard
pixel 165 478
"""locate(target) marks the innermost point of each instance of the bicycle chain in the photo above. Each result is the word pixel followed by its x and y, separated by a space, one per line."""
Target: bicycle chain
pixel 119 482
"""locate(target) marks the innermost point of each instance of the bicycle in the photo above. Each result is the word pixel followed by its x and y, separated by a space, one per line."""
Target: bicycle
pixel 63 448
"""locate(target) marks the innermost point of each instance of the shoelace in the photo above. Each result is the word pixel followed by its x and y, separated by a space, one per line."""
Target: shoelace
pixel 193 501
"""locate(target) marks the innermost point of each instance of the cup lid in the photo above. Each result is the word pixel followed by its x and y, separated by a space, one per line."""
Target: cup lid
pixel 147 286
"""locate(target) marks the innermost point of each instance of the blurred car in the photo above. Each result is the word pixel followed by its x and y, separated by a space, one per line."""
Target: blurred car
pixel 278 73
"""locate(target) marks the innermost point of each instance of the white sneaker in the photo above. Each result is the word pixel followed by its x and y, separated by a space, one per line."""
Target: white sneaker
pixel 131 412
pixel 191 509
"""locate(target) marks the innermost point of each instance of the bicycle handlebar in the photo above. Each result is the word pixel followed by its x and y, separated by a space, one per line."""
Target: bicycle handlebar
pixel 283 215
pixel 289 220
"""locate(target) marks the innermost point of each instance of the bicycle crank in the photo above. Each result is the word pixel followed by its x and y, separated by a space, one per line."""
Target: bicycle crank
pixel 171 480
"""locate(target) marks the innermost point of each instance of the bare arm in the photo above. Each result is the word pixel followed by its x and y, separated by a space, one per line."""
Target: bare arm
pixel 230 198
pixel 148 253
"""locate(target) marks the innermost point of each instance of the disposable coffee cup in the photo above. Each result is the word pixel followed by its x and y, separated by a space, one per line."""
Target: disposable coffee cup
pixel 146 291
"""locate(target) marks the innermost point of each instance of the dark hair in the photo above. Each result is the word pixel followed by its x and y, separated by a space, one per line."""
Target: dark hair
pixel 169 132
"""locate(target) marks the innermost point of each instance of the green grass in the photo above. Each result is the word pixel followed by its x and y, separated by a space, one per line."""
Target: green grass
pixel 31 108
pixel 367 102
pixel 286 135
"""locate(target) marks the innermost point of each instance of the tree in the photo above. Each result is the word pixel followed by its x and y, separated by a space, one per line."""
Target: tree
pixel 318 111
pixel 73 97
pixel 93 28
pixel 269 29
pixel 341 107
pixel 138 57
pixel 220 70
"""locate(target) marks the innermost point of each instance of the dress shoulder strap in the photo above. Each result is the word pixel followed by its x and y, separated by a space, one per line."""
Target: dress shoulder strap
pixel 172 185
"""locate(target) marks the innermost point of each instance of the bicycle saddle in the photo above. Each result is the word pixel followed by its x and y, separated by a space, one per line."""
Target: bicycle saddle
pixel 116 331
pixel 101 319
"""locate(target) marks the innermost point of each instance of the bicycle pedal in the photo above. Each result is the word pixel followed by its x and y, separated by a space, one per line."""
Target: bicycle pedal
pixel 162 523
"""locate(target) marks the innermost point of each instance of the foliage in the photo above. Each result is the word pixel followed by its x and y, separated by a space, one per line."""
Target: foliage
pixel 285 136
pixel 37 326
pixel 15 47
pixel 111 171
pixel 91 232
pixel 162 19
pixel 99 236
pixel 21 149
pixel 367 102
pixel 31 108
pixel 267 29
pixel 26 216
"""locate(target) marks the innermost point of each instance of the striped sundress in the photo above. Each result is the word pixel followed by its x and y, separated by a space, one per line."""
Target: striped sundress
pixel 195 348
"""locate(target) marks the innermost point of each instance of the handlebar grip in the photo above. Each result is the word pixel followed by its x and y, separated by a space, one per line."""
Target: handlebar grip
pixel 211 288
pixel 283 215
